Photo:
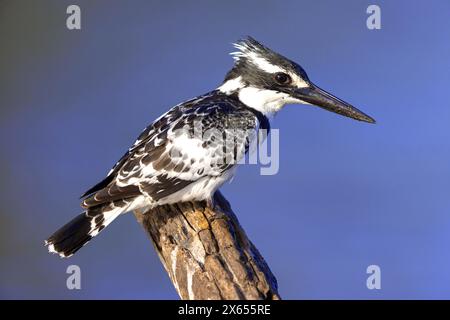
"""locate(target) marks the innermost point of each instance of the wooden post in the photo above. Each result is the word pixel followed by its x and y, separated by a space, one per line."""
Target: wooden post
pixel 207 253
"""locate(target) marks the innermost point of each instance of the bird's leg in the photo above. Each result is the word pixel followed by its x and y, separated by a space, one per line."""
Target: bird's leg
pixel 210 202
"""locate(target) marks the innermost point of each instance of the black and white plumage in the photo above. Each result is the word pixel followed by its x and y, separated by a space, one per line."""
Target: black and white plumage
pixel 191 150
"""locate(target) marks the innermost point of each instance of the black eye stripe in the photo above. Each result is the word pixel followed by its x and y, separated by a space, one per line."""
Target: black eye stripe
pixel 282 78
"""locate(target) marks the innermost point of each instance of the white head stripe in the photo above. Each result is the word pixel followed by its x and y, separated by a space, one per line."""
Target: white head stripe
pixel 255 58
pixel 263 64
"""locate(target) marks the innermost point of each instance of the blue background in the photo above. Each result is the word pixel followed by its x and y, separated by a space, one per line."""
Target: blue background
pixel 347 195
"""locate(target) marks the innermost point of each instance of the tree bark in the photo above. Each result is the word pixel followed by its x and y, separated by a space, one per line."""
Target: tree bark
pixel 207 253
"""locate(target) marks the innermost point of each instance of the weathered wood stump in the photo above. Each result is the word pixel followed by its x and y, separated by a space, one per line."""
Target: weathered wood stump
pixel 207 253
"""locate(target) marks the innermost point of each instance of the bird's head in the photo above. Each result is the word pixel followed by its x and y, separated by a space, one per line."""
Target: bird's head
pixel 265 80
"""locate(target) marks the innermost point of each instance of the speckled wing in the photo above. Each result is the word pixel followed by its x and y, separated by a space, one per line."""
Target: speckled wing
pixel 199 138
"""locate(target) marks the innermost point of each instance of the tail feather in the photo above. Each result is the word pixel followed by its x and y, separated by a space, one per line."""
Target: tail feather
pixel 76 233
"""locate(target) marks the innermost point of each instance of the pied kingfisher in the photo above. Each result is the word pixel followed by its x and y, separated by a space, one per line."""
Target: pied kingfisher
pixel 168 165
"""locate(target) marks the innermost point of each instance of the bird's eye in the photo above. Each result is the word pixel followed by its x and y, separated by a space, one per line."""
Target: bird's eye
pixel 282 78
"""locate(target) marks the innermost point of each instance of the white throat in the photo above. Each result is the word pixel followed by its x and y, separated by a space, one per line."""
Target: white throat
pixel 266 101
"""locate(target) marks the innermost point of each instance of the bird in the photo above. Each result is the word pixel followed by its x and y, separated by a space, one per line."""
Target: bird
pixel 170 162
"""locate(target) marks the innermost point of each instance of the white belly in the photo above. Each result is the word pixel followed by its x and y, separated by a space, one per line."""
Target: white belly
pixel 202 189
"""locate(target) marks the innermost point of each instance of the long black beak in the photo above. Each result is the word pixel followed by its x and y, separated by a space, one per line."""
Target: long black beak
pixel 318 97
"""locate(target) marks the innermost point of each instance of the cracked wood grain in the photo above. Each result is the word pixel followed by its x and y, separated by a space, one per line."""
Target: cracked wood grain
pixel 206 253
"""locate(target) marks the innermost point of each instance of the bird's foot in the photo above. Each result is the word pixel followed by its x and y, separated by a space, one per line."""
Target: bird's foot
pixel 210 203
